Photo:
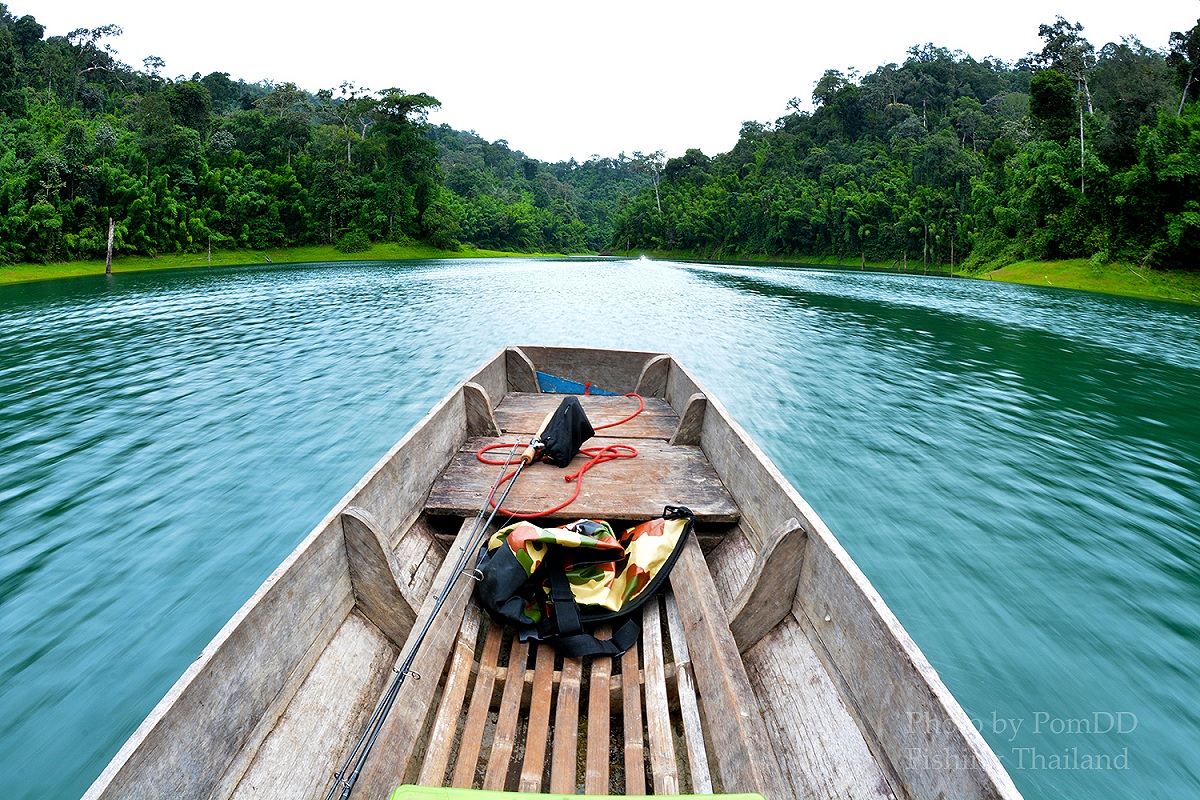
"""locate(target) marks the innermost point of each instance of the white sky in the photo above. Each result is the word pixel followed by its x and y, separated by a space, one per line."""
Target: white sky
pixel 571 79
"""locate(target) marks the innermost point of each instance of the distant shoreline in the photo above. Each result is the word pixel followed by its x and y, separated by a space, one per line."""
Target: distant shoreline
pixel 384 251
pixel 1116 279
pixel 1123 280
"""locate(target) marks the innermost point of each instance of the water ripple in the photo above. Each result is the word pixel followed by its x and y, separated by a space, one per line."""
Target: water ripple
pixel 1016 469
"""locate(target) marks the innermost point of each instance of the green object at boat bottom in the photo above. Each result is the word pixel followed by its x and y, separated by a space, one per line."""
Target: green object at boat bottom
pixel 436 793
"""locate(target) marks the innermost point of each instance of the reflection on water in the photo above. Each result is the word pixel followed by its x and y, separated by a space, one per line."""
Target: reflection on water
pixel 1015 470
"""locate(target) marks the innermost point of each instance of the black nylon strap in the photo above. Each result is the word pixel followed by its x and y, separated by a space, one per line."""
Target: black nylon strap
pixel 566 610
pixel 571 640
pixel 582 645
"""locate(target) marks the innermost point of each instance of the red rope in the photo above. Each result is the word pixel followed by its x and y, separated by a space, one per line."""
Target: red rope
pixel 596 455
pixel 641 408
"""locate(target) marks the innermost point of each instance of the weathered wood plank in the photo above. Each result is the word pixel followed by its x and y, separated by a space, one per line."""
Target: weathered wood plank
pixel 821 749
pixel 373 575
pixel 386 766
pixel 741 747
pixel 596 771
pixel 480 419
pixel 296 759
pixel 886 680
pixel 731 563
pixel 566 728
pixel 612 370
pixel 418 556
pixel 481 700
pixel 538 732
pixel 768 594
pixel 505 736
pixel 492 376
pixel 625 489
pixel 445 725
pixel 664 771
pixel 691 422
pixel 653 380
pixel 522 415
pixel 522 375
pixel 689 710
pixel 631 703
pixel 217 714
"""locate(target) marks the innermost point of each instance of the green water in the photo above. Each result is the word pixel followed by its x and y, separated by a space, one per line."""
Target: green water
pixel 1017 470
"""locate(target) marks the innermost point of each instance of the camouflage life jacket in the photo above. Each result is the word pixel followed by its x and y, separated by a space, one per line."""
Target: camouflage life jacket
pixel 560 584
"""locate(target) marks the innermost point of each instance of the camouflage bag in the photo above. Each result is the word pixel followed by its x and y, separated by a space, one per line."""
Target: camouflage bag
pixel 559 584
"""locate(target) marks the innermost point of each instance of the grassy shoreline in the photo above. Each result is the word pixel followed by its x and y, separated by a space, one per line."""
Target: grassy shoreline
pixel 1126 280
pixel 1117 279
pixel 384 251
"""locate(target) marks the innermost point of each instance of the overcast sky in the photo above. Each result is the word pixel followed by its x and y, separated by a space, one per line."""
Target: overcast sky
pixel 571 79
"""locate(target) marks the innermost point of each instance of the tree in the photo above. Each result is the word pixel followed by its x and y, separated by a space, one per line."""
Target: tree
pixel 827 87
pixel 10 79
pixel 1052 104
pixel 225 93
pixel 154 67
pixel 407 160
pixel 191 105
pixel 89 55
pixel 1184 57
pixel 1069 53
pixel 651 165
pixel 354 105
pixel 1131 83
pixel 288 106
pixel 283 100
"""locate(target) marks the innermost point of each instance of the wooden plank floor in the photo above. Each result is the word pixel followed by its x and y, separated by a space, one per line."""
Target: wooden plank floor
pixel 624 489
pixel 536 722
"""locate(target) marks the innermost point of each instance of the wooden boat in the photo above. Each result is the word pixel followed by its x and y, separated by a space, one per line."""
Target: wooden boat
pixel 770 666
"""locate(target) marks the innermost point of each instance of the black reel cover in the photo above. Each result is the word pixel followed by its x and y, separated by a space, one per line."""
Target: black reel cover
pixel 566 432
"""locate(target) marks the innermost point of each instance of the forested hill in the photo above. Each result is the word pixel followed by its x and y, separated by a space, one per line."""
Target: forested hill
pixel 181 164
pixel 1071 152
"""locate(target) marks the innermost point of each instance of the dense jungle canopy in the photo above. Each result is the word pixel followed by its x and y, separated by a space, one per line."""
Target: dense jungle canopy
pixel 1071 151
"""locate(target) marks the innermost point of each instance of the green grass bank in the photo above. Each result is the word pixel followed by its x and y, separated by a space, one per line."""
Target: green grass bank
pixel 1119 279
pixel 386 251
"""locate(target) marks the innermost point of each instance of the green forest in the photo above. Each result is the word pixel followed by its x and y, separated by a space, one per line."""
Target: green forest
pixel 1072 151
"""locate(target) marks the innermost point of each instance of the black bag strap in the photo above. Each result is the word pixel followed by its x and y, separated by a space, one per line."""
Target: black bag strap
pixel 570 639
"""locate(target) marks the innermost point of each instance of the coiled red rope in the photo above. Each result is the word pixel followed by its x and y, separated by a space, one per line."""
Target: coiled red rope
pixel 596 455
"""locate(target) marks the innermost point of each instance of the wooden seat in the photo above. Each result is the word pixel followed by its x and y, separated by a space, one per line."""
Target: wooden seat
pixel 525 719
pixel 521 718
pixel 670 467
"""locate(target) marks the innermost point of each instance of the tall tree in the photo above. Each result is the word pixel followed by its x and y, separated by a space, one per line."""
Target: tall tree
pixel 651 165
pixel 353 105
pixel 1052 104
pixel 91 54
pixel 1068 52
pixel 1184 57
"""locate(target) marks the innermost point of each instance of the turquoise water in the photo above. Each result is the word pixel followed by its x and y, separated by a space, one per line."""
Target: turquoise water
pixel 1017 470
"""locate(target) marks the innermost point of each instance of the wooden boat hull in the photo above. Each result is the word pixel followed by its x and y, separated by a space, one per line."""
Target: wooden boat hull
pixel 841 698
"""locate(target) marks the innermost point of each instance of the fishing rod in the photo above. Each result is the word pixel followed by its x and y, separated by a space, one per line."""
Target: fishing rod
pixel 358 756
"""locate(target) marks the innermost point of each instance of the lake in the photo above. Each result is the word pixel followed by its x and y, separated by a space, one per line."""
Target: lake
pixel 1016 469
